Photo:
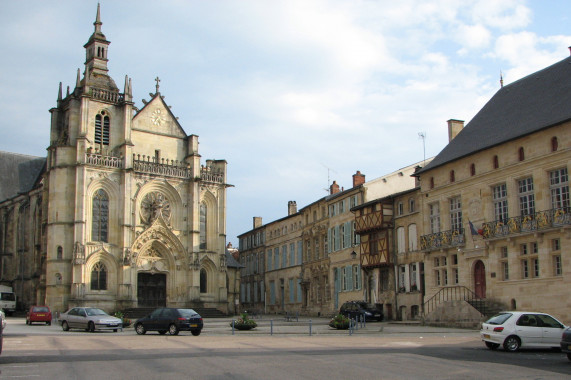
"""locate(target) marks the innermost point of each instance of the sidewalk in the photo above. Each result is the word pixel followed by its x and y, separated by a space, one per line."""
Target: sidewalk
pixel 276 324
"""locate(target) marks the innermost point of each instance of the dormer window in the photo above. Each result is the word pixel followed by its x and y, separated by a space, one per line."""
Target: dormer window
pixel 102 123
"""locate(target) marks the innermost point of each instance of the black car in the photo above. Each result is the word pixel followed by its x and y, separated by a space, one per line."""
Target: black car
pixel 566 342
pixel 358 309
pixel 171 320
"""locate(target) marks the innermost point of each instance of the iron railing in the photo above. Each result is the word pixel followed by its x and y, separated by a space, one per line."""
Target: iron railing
pixel 450 238
pixel 449 293
pixel 528 223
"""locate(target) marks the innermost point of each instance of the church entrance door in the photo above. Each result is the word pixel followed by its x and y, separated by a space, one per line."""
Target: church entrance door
pixel 151 289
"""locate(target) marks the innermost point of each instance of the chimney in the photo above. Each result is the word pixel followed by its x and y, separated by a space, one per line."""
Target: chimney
pixel 291 208
pixel 569 50
pixel 257 221
pixel 454 127
pixel 334 188
pixel 358 179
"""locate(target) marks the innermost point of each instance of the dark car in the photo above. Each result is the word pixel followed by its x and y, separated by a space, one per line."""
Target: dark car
pixel 566 342
pixel 358 309
pixel 171 320
pixel 39 314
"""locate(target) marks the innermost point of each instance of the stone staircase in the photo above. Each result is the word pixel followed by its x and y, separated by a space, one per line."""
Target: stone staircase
pixel 487 307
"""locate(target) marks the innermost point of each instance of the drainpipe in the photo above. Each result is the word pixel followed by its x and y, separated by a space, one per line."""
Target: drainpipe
pixel 395 268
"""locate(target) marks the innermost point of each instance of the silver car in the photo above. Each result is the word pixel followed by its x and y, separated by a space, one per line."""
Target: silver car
pixel 89 319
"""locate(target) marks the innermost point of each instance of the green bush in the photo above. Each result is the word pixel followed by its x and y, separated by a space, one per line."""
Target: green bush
pixel 339 322
pixel 244 321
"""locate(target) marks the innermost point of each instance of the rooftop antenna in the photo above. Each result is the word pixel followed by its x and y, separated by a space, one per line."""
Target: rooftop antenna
pixel 422 135
pixel 328 178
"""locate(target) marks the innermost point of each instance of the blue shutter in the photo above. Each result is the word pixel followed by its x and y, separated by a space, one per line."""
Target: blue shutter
pixel 329 240
pixel 349 272
pixel 336 238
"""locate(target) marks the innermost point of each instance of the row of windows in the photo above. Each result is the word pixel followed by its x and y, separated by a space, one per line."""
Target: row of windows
pixel 341 237
pixel 558 188
pixel 404 245
pixel 344 205
pixel 411 207
pixel 554 145
pixel 530 262
pixel 289 256
pixel 409 277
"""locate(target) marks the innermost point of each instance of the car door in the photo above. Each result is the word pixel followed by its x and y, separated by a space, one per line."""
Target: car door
pixel 81 319
pixel 528 329
pixel 72 318
pixel 551 329
pixel 154 321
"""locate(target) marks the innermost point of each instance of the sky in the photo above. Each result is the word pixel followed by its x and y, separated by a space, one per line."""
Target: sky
pixel 292 94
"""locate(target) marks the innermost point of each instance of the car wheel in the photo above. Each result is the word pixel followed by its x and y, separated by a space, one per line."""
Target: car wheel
pixel 569 356
pixel 512 343
pixel 140 329
pixel 173 330
pixel 195 332
pixel 162 332
pixel 49 323
pixel 492 346
pixel 65 326
pixel 91 327
pixel 27 322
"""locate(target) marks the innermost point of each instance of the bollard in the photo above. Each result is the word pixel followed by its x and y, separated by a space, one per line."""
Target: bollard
pixel 271 327
pixel 233 321
pixel 310 327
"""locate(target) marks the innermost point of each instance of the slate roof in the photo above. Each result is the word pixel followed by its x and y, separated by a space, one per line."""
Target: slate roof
pixel 538 101
pixel 18 173
pixel 231 261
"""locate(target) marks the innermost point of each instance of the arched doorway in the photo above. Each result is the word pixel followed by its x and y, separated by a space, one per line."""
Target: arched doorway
pixel 480 279
pixel 151 289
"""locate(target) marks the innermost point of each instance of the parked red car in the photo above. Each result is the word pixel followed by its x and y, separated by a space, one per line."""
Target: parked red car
pixel 39 314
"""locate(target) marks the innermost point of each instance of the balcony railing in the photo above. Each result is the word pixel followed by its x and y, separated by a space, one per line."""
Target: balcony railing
pixel 99 159
pixel 451 238
pixel 167 168
pixel 521 224
pixel 107 96
pixel 208 174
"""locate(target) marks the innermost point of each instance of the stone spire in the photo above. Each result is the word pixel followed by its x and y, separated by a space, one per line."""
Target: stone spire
pixel 96 59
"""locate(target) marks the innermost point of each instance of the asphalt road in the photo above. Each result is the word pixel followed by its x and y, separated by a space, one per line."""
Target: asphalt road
pixel 375 351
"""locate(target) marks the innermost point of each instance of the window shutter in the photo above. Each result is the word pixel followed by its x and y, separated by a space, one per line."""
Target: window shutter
pixel 349 271
pixel 336 237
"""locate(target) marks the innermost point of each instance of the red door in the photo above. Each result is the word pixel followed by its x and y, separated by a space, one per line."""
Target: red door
pixel 480 279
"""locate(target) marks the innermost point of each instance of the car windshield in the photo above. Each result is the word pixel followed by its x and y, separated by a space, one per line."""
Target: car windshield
pixel 187 313
pixel 8 297
pixel 93 312
pixel 499 319
pixel 40 309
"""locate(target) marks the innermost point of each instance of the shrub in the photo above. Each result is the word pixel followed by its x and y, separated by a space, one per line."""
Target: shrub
pixel 339 322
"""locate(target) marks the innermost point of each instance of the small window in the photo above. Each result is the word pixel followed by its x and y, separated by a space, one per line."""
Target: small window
pixel 452 176
pixel 59 252
pixel 411 205
pixel 432 182
pixel 496 162
pixel 554 144
pixel 521 154
pixel 472 169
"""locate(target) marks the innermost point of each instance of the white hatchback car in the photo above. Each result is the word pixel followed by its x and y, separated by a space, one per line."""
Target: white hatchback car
pixel 515 329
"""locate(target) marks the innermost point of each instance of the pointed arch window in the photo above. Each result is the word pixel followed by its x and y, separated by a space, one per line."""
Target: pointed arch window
pixel 99 277
pixel 102 123
pixel 100 216
pixel 203 281
pixel 203 220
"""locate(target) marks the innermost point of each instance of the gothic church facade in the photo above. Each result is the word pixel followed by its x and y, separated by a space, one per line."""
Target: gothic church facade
pixel 127 215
